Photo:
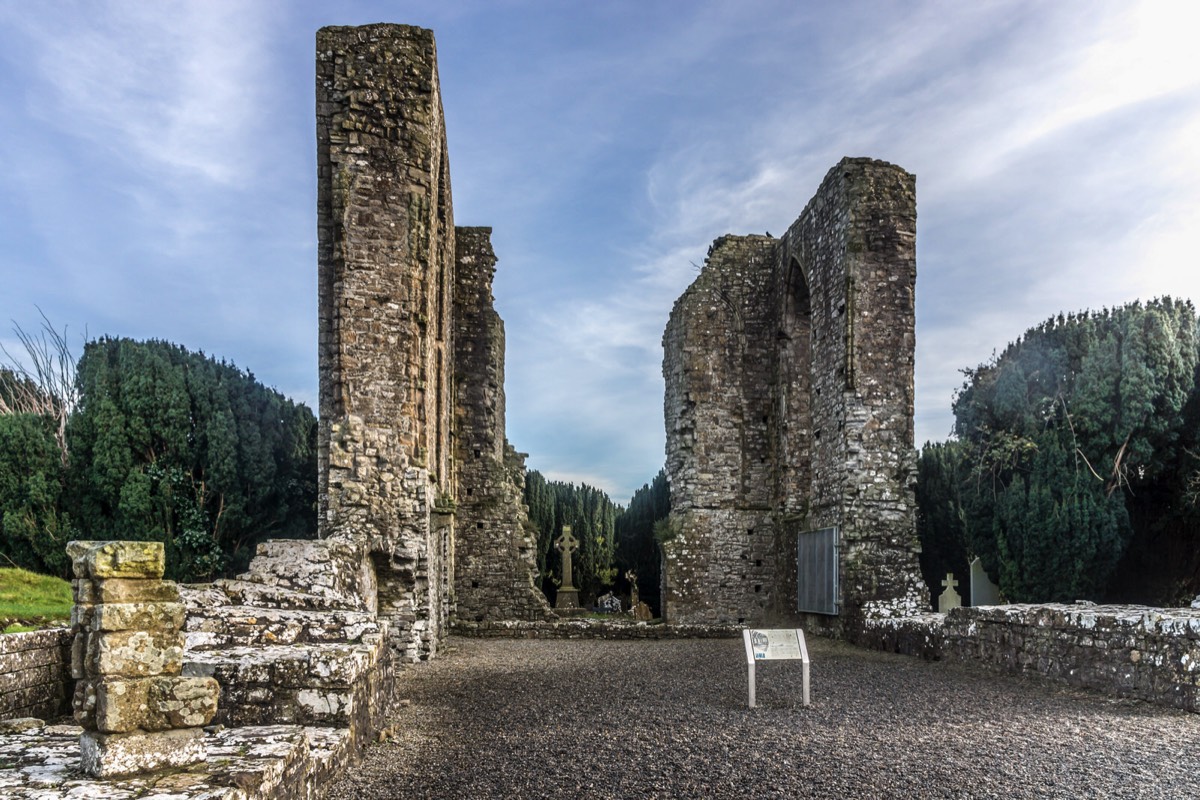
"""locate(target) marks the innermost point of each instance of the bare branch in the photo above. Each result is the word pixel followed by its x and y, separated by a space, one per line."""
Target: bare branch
pixel 42 383
pixel 1120 471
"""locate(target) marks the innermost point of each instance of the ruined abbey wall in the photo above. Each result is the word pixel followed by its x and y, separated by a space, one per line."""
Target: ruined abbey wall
pixel 789 400
pixel 415 467
pixel 720 566
pixel 385 275
pixel 495 557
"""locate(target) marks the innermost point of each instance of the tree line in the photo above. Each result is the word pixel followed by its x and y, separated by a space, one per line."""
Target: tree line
pixel 146 440
pixel 1073 471
pixel 160 443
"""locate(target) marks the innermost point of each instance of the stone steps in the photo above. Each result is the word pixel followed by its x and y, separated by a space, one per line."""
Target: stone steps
pixel 259 594
pixel 290 642
pixel 216 627
pixel 329 569
pixel 327 684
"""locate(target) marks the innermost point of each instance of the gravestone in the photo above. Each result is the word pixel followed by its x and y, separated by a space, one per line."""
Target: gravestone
pixel 949 599
pixel 568 595
pixel 608 604
pixel 983 591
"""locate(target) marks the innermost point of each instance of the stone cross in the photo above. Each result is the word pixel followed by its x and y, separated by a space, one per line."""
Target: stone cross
pixel 631 576
pixel 949 599
pixel 568 596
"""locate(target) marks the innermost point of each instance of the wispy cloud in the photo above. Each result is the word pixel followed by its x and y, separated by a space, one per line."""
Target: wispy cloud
pixel 158 86
pixel 1055 171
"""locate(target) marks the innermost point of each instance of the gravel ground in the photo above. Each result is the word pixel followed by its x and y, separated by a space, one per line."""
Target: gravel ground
pixel 575 719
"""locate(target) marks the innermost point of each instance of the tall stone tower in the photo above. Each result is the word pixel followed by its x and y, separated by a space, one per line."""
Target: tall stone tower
pixel 789 413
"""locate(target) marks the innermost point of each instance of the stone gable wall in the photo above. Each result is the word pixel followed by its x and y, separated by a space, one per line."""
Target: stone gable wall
pixel 856 245
pixel 415 469
pixel 385 253
pixel 495 559
pixel 789 399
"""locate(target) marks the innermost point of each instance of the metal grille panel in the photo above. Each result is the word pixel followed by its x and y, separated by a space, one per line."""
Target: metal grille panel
pixel 817 571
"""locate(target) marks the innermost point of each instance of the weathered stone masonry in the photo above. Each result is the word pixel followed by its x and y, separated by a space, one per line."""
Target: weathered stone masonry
pixel 495 553
pixel 35 673
pixel 789 402
pixel 403 409
pixel 385 266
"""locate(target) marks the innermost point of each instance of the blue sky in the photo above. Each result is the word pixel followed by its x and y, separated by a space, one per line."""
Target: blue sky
pixel 159 174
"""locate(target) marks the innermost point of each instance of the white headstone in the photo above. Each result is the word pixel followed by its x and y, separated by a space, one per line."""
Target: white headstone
pixel 949 599
pixel 983 591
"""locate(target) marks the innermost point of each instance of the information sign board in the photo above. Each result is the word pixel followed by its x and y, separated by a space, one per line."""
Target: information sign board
pixel 775 644
pixel 771 644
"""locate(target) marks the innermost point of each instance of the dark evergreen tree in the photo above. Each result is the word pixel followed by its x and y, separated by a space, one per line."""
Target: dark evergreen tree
pixel 34 529
pixel 1077 436
pixel 637 549
pixel 592 517
pixel 174 446
pixel 940 515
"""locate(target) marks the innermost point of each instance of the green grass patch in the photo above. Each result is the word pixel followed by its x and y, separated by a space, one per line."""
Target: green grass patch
pixel 29 601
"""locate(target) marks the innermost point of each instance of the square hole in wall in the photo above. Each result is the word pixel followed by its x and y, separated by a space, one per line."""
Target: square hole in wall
pixel 479 525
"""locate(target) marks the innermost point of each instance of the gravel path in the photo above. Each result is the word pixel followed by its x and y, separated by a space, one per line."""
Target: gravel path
pixel 576 719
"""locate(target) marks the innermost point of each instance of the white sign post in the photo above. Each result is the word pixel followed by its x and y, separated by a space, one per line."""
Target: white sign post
pixel 787 643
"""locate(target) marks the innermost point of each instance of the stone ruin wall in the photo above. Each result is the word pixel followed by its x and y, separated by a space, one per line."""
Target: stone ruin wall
pixel 720 567
pixel 404 408
pixel 789 402
pixel 495 558
pixel 385 274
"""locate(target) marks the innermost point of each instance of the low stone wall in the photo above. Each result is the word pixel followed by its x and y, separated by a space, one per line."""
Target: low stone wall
pixel 1131 651
pixel 592 629
pixel 35 674
pixel 918 635
pixel 1127 651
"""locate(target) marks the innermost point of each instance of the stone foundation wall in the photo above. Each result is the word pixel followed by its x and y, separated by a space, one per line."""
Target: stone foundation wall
pixel 495 558
pixel 788 366
pixel 592 629
pixel 1132 651
pixel 35 673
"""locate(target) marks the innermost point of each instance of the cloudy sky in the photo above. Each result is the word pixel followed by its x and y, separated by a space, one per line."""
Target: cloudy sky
pixel 159 180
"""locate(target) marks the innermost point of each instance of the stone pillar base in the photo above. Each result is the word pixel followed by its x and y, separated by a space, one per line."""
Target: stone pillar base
pixel 567 598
